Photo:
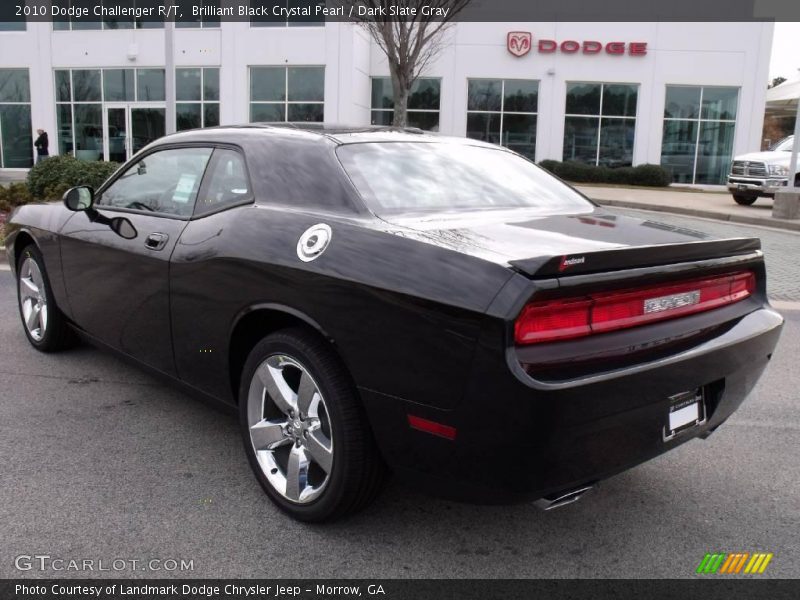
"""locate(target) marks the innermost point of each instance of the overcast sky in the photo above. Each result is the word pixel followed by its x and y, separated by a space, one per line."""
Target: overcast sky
pixel 785 51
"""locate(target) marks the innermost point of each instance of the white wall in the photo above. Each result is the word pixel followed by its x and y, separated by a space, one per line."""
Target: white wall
pixel 729 54
pixel 718 54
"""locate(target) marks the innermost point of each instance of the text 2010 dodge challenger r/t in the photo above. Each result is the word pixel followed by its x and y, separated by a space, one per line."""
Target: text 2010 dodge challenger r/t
pixel 373 298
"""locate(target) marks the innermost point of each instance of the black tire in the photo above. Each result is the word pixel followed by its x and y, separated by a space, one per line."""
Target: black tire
pixel 744 199
pixel 57 333
pixel 357 472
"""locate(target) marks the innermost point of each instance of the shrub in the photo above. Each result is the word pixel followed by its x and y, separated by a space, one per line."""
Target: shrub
pixel 50 178
pixel 644 175
pixel 580 172
pixel 56 191
pixel 549 165
pixel 15 194
pixel 651 175
pixel 5 205
pixel 621 175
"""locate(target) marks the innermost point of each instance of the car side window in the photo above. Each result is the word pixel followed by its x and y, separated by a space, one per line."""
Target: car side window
pixel 164 182
pixel 226 182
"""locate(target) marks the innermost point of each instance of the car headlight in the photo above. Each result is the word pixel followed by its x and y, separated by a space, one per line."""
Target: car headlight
pixel 778 170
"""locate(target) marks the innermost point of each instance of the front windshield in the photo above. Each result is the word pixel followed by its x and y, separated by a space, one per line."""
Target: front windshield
pixel 434 177
pixel 785 145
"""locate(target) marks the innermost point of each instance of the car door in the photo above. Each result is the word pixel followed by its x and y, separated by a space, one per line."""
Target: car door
pixel 205 286
pixel 117 281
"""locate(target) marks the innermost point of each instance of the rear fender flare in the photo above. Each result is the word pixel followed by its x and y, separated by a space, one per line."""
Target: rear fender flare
pixel 288 310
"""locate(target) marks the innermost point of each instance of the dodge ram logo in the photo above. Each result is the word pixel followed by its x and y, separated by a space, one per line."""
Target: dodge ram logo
pixel 519 42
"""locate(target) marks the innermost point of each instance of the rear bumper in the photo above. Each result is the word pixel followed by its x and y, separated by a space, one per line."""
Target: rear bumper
pixel 518 440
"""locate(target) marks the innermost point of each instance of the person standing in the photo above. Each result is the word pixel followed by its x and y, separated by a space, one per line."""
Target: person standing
pixel 42 145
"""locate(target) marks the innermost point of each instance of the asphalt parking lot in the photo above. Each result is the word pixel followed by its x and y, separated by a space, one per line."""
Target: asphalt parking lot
pixel 101 461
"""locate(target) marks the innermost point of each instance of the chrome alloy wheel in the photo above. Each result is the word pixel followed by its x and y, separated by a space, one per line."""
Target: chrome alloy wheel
pixel 32 299
pixel 290 429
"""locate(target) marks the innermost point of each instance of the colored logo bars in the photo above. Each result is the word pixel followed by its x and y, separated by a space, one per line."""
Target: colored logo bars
pixel 734 563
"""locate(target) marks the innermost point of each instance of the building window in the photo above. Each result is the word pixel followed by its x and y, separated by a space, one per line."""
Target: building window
pixel 106 22
pixel 291 7
pixel 12 25
pixel 423 102
pixel 16 139
pixel 287 94
pixel 699 124
pixel 188 20
pixel 80 97
pixel 600 123
pixel 504 111
pixel 197 95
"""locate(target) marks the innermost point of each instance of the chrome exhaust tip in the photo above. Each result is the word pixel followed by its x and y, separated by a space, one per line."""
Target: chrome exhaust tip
pixel 562 499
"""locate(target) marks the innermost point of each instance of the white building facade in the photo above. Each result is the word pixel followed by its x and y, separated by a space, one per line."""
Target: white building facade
pixel 688 96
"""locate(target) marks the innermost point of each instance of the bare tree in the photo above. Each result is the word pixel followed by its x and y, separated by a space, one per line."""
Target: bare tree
pixel 410 41
pixel 776 81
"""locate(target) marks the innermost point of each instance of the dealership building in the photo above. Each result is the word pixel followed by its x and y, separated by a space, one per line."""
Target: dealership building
pixel 688 96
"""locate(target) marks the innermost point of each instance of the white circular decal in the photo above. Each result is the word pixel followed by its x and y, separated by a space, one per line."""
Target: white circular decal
pixel 313 242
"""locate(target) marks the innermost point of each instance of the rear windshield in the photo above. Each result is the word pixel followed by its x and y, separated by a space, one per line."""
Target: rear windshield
pixel 425 177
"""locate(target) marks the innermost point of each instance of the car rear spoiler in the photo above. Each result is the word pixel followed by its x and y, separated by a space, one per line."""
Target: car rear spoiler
pixel 630 258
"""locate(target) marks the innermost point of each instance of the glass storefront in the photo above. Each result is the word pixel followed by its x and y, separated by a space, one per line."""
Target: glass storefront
pixel 699 126
pixel 197 95
pixel 600 123
pixel 109 114
pixel 505 112
pixel 16 131
pixel 292 94
pixel 423 102
pixel 13 26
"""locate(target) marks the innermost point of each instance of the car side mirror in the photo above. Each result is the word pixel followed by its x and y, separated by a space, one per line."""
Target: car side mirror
pixel 79 198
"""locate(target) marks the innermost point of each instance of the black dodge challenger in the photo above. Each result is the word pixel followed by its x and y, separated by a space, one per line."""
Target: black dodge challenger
pixel 373 298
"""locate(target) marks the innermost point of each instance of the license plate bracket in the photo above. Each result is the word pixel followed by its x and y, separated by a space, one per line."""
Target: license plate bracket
pixel 742 187
pixel 687 410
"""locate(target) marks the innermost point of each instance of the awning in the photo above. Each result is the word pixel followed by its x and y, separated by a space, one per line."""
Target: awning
pixel 785 95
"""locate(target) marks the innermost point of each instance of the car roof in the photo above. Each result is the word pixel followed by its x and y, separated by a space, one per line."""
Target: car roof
pixel 338 134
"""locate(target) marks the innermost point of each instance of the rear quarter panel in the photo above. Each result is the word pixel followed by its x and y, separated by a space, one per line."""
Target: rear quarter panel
pixel 403 315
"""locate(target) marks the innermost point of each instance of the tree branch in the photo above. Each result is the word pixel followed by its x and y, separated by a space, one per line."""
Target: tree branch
pixel 410 42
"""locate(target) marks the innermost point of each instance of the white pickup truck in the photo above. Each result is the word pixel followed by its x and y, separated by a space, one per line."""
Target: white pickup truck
pixel 761 174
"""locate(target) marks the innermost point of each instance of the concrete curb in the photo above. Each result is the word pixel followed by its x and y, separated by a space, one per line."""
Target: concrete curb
pixel 705 214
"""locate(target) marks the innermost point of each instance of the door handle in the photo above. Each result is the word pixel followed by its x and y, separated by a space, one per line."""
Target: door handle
pixel 156 241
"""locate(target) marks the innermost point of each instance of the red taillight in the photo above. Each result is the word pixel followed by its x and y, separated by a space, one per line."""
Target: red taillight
pixel 568 318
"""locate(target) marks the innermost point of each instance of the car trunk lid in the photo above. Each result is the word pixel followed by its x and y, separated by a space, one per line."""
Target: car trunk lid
pixel 564 245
